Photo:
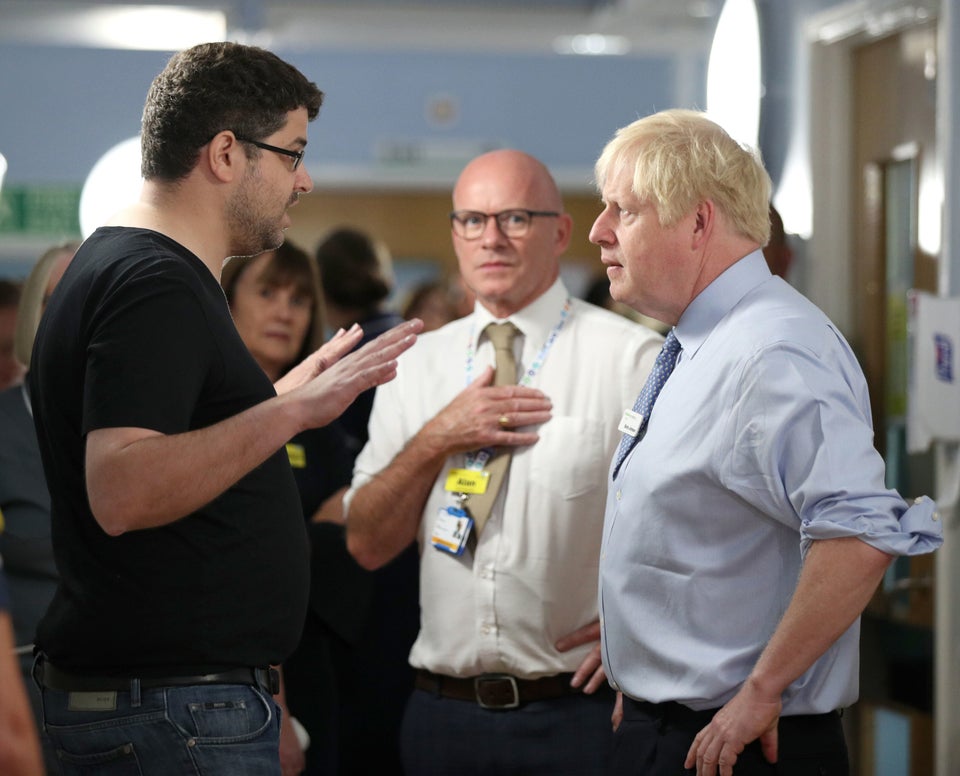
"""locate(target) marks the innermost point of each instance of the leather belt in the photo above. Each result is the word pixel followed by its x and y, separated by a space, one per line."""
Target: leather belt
pixel 53 678
pixel 496 691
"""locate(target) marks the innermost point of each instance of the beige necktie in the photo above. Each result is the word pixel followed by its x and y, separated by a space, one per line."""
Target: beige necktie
pixel 480 504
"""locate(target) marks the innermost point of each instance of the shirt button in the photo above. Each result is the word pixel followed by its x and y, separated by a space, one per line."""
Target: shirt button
pixel 619 494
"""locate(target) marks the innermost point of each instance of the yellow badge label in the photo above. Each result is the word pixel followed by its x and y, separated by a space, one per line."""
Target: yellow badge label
pixel 1 521
pixel 467 481
pixel 297 455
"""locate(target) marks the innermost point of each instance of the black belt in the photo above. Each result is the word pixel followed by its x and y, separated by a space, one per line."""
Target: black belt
pixel 496 691
pixel 53 678
pixel 673 714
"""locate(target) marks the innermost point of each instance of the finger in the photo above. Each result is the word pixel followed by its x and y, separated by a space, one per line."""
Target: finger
pixel 617 717
pixel 584 635
pixel 726 760
pixel 693 752
pixel 598 680
pixel 483 379
pixel 769 744
pixel 587 668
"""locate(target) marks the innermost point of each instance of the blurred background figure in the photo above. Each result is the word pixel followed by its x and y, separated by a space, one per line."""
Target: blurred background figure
pixel 432 303
pixel 277 307
pixel 356 275
pixel 371 622
pixel 11 370
pixel 24 500
pixel 777 252
pixel 463 296
pixel 274 299
pixel 19 748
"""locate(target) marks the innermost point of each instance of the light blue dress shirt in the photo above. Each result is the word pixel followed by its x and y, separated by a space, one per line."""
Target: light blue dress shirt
pixel 759 444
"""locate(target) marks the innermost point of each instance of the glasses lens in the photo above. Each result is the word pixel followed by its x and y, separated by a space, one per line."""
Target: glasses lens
pixel 468 223
pixel 514 223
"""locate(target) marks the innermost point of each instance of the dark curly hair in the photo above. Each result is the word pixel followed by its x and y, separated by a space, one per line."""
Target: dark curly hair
pixel 212 87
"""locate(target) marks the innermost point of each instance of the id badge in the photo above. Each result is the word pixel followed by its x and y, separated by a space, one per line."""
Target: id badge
pixel 466 481
pixel 451 530
pixel 630 423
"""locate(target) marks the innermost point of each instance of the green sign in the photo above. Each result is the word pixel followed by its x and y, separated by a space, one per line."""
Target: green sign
pixel 40 210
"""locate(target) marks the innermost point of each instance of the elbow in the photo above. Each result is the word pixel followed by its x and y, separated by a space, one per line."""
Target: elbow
pixel 113 513
pixel 363 550
pixel 110 519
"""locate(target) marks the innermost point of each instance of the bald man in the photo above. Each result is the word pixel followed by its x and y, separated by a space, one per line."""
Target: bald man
pixel 507 658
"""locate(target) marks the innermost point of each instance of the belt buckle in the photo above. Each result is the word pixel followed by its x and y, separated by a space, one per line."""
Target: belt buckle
pixel 496 703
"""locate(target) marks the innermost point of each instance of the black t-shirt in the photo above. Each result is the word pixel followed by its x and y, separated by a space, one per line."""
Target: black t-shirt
pixel 138 333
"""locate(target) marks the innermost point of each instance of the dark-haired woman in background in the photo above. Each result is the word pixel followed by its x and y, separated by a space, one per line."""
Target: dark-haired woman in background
pixel 277 307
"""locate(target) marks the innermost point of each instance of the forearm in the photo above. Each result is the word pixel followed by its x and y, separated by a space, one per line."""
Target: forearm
pixel 139 479
pixel 837 580
pixel 385 513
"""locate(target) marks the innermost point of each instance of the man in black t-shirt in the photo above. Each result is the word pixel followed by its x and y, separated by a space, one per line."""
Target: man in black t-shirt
pixel 177 527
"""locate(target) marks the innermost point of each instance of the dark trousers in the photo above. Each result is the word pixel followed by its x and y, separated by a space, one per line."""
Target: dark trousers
pixel 653 740
pixel 568 736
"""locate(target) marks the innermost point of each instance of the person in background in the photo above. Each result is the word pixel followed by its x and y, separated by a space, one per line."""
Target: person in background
pixel 277 307
pixel 747 521
pixel 507 657
pixel 19 746
pixel 177 526
pixel 24 499
pixel 463 296
pixel 372 619
pixel 778 252
pixel 11 370
pixel 356 276
pixel 431 303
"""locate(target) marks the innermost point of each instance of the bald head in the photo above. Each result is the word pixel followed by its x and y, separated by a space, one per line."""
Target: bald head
pixel 527 177
pixel 509 272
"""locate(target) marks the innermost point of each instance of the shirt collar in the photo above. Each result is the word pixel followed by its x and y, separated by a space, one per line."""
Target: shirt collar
pixel 535 321
pixel 718 299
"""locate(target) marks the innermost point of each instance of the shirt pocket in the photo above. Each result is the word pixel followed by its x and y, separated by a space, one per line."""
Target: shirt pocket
pixel 569 459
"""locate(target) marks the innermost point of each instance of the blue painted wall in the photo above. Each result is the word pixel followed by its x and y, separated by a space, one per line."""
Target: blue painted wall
pixel 64 107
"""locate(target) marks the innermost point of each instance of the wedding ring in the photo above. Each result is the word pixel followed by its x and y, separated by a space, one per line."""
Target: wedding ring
pixel 504 421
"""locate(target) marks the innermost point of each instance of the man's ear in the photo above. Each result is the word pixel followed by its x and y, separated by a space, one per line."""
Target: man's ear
pixel 564 232
pixel 224 157
pixel 705 218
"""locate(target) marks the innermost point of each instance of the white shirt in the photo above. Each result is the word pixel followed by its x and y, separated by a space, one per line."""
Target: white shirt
pixel 534 576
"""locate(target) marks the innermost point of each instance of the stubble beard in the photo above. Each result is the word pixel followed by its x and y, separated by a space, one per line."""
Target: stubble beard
pixel 252 233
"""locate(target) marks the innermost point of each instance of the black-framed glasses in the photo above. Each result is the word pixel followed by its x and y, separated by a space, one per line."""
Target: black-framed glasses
pixel 469 224
pixel 297 156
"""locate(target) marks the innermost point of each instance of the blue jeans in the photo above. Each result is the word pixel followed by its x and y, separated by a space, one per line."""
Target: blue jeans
pixel 205 730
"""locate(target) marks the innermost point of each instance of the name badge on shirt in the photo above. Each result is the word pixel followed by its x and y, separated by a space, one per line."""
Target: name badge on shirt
pixel 466 481
pixel 297 455
pixel 451 530
pixel 630 423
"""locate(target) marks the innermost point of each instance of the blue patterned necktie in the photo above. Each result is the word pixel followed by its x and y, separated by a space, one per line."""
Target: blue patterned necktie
pixel 651 389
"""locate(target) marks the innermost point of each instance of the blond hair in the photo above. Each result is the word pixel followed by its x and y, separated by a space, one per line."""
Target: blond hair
pixel 680 158
pixel 33 299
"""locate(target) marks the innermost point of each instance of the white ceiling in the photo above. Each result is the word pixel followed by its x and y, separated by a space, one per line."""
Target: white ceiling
pixel 643 27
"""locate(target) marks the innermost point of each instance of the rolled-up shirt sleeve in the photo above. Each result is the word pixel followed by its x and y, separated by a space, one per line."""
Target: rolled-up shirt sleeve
pixel 804 452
